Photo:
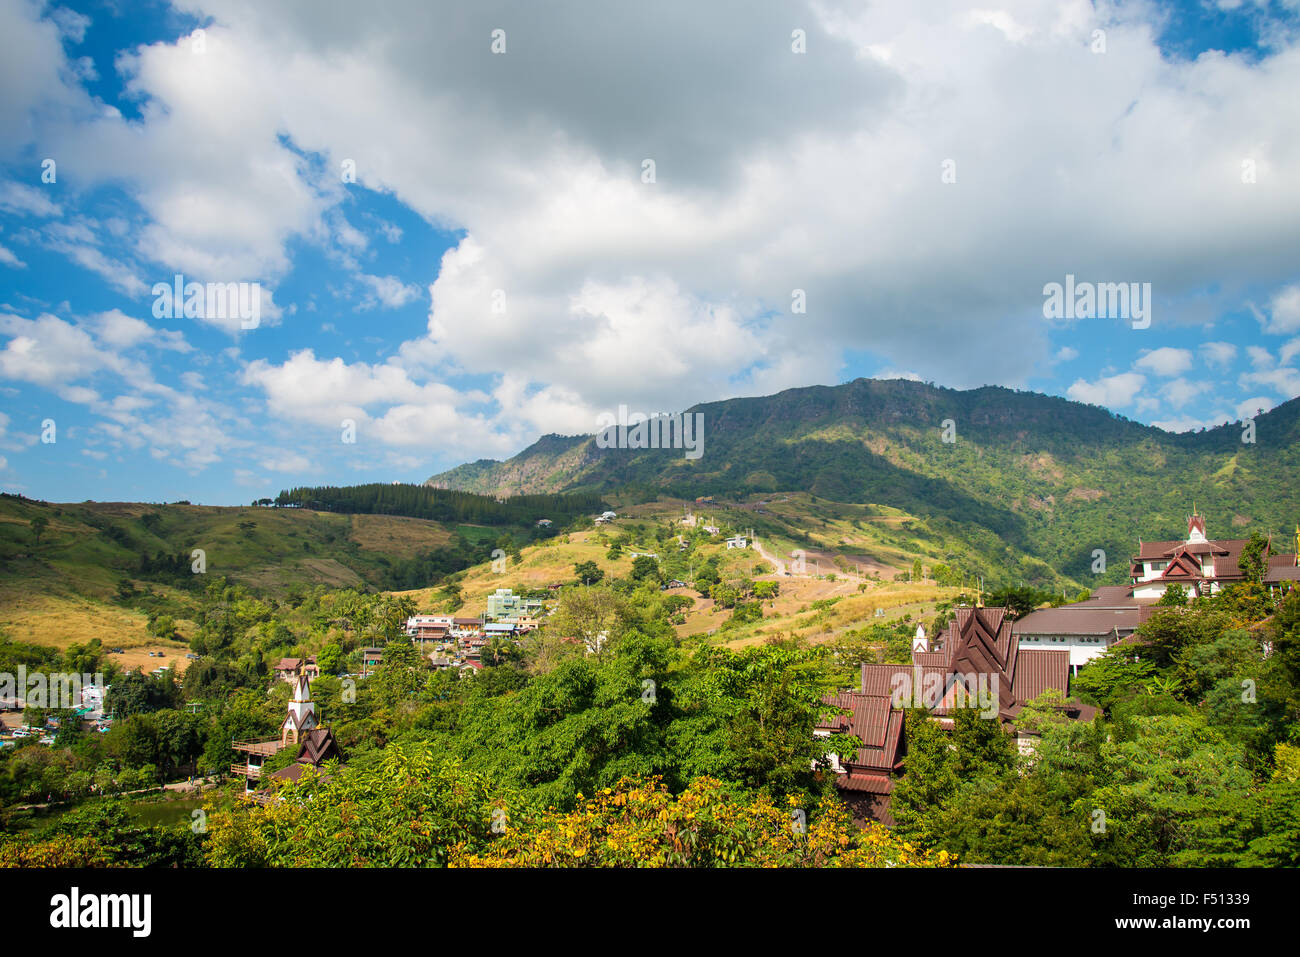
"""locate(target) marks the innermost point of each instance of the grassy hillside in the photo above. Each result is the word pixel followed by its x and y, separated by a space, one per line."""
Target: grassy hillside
pixel 1030 488
pixel 66 586
pixel 820 605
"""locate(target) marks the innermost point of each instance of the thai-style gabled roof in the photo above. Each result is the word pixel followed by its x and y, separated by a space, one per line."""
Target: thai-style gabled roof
pixel 874 722
pixel 1182 567
pixel 317 746
pixel 979 647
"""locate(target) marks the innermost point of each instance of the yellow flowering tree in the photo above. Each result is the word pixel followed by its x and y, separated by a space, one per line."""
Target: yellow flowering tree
pixel 641 824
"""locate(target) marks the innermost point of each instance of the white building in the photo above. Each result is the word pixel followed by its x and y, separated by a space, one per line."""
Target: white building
pixel 1085 628
pixel 1200 565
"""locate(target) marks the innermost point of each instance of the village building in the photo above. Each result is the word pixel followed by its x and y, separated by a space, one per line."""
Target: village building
pixel 1085 629
pixel 301 729
pixel 371 658
pixel 428 627
pixel 976 662
pixel 466 627
pixel 288 669
pixel 504 603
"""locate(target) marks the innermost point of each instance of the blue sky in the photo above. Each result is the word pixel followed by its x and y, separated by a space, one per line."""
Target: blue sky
pixel 458 249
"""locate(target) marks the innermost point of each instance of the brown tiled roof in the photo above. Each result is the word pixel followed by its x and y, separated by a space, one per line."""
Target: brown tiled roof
pixel 984 647
pixel 871 719
pixel 1038 669
pixel 1111 595
pixel 1226 550
pixel 1083 618
pixel 867 719
pixel 879 679
pixel 288 664
pixel 291 772
pixel 870 782
pixel 317 747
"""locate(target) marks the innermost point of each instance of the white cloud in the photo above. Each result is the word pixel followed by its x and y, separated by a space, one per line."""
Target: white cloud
pixel 1220 354
pixel 1165 361
pixel 1284 312
pixel 1115 391
pixel 1190 423
pixel 1289 351
pixel 1178 392
pixel 121 331
pixel 287 462
pixel 27 200
pixel 1260 357
pixel 54 354
pixel 387 291
pixel 1248 408
pixel 8 258
pixel 771 176
pixel 1284 381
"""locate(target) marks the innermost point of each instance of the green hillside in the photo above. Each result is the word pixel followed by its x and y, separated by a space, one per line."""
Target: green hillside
pixel 1031 486
pixel 102 569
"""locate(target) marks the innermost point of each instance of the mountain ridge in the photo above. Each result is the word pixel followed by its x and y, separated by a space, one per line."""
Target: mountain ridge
pixel 1041 475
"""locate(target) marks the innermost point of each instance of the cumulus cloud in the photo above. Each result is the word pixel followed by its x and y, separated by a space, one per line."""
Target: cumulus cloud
pixel 1218 354
pixel 56 354
pixel 121 331
pixel 1179 392
pixel 1248 408
pixel 1284 312
pixel 1191 423
pixel 1165 361
pixel 1116 392
pixel 1284 381
pixel 387 291
pixel 816 178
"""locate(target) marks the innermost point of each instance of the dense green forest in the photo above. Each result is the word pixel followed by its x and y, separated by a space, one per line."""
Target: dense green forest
pixel 442 505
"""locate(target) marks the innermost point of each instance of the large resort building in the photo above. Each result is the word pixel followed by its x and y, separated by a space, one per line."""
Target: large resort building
pixel 984 660
pixel 977 661
pixel 1202 566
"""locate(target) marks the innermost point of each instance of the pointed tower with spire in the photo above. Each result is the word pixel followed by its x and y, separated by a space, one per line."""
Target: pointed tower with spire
pixel 302 713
